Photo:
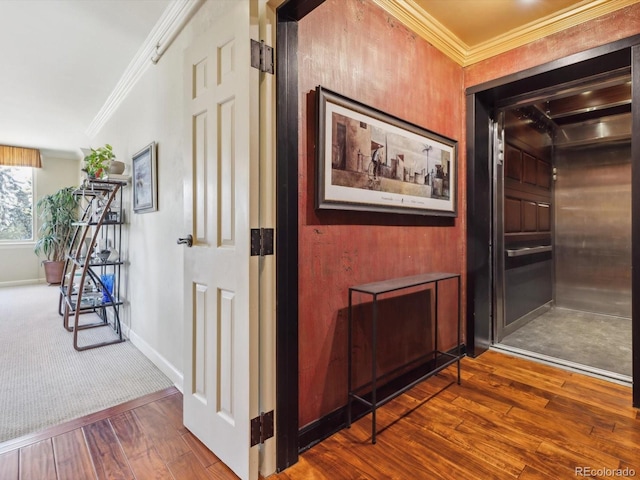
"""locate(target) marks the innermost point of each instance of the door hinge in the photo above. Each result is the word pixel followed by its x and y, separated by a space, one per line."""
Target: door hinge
pixel 261 241
pixel 262 56
pixel 261 428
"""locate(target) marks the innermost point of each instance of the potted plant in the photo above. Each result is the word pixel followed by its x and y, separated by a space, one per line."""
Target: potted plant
pixel 97 163
pixel 56 212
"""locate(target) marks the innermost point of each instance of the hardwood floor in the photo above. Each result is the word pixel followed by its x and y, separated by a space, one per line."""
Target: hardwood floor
pixel 510 418
pixel 142 439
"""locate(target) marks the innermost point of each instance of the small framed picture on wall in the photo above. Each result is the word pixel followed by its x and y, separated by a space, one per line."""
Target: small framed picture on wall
pixel 145 180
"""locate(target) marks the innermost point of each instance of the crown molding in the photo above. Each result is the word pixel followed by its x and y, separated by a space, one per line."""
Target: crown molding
pixel 427 27
pixel 166 28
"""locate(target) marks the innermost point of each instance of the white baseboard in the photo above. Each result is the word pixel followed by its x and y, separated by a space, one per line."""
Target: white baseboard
pixel 18 283
pixel 158 360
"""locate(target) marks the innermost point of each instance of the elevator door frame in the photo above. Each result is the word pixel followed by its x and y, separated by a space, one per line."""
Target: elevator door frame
pixel 482 102
pixel 497 225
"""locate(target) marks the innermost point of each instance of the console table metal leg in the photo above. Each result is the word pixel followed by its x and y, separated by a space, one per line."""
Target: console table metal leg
pixel 459 327
pixel 374 372
pixel 349 347
pixel 435 332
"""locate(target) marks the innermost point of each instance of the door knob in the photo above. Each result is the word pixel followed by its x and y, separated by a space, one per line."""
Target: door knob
pixel 188 241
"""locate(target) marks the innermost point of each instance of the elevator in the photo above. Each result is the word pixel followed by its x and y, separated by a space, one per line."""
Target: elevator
pixel 518 270
pixel 562 224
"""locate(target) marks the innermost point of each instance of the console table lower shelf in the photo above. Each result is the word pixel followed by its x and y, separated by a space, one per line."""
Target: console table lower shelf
pixel 440 359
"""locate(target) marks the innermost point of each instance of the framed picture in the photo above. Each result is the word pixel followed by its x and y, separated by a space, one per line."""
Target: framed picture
pixel 369 160
pixel 145 180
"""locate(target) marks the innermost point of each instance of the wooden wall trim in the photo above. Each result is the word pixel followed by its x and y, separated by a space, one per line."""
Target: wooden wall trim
pixel 287 247
pixel 288 14
pixel 479 188
pixel 574 60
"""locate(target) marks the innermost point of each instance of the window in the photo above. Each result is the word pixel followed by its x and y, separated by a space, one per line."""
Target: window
pixel 16 204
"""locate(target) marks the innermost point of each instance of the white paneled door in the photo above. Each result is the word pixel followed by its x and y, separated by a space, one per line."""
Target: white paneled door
pixel 221 294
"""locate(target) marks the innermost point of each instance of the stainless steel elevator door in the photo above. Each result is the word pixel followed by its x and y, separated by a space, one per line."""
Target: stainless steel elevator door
pixel 593 228
pixel 522 247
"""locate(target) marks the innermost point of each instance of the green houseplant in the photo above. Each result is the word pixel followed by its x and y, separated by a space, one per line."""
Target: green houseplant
pixel 97 163
pixel 56 212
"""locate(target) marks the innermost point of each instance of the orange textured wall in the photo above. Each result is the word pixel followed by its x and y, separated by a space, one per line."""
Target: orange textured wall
pixel 620 24
pixel 354 48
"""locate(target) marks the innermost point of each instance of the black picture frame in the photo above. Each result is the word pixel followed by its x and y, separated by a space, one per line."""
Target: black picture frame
pixel 369 160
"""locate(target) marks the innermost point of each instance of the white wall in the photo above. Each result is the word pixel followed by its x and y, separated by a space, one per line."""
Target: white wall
pixel 18 263
pixel 153 277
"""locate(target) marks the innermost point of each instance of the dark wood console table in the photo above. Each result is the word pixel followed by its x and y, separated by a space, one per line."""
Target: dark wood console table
pixel 440 360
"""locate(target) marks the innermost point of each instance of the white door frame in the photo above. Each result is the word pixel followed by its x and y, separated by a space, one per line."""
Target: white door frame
pixel 267 219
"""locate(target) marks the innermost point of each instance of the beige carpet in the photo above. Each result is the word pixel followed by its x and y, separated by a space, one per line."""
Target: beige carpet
pixel 45 381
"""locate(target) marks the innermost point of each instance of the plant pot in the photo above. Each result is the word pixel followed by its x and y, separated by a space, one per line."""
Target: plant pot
pixel 53 272
pixel 116 167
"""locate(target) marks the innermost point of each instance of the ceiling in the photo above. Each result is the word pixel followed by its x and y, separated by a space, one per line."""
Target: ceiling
pixel 62 59
pixel 469 31
pixel 484 20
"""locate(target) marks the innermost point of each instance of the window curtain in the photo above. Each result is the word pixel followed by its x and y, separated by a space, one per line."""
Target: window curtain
pixel 20 157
